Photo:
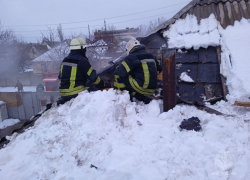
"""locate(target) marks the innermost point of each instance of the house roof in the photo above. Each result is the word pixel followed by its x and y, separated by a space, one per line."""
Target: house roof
pixel 225 11
pixel 51 44
pixel 40 48
pixel 54 54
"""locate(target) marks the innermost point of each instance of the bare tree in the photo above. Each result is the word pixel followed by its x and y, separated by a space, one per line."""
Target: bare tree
pixel 9 51
pixel 145 29
pixel 60 33
pixel 111 28
pixel 53 35
pixel 6 35
pixel 142 30
pixel 50 34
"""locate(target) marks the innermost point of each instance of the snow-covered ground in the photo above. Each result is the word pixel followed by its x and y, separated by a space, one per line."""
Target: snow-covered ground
pixel 129 140
pixel 13 89
pixel 8 122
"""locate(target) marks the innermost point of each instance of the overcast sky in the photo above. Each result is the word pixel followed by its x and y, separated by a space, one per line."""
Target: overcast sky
pixel 28 18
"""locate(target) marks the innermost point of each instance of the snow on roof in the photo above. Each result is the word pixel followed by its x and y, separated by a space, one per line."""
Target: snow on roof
pixel 128 140
pixel 187 33
pixel 98 43
pixel 226 11
pixel 234 42
pixel 54 54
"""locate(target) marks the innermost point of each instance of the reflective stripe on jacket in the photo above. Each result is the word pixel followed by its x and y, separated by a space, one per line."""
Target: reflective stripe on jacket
pixel 74 72
pixel 141 69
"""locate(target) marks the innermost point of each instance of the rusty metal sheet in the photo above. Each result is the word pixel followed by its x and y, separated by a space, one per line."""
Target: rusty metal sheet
pixel 209 73
pixel 169 81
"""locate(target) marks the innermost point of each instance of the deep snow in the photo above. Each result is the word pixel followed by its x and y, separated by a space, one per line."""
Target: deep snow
pixel 139 143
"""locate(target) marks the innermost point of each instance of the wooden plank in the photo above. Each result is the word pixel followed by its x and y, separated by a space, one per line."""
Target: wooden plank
pixel 244 104
pixel 201 106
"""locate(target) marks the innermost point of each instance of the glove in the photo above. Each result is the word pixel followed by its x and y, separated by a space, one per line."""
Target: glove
pixel 93 88
pixel 107 85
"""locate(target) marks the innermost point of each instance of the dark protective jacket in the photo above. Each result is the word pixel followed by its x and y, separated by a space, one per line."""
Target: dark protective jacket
pixel 74 72
pixel 139 71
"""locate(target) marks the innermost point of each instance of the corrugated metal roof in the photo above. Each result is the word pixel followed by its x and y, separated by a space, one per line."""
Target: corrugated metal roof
pixel 225 11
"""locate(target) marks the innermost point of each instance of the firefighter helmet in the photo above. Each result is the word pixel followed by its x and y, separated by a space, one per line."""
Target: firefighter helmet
pixel 77 43
pixel 131 44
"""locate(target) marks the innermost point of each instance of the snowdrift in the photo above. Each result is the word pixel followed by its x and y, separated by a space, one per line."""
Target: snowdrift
pixel 128 140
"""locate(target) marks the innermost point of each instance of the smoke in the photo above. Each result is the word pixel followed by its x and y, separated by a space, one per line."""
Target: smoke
pixel 9 59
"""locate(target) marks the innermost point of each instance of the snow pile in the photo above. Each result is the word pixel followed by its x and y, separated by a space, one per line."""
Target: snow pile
pixel 187 33
pixel 236 59
pixel 8 122
pixel 234 41
pixel 128 140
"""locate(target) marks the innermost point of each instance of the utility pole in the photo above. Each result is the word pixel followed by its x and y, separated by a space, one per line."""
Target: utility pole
pixel 105 26
pixel 89 31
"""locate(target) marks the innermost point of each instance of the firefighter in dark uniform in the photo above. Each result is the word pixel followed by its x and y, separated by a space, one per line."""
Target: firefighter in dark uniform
pixel 76 73
pixel 138 72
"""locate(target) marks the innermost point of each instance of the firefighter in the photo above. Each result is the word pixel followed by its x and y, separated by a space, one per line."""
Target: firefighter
pixel 138 72
pixel 76 73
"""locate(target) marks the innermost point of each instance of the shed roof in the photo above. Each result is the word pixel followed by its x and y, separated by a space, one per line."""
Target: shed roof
pixel 225 11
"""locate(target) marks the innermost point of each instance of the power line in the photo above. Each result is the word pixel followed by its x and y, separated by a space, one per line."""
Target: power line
pixel 102 18
pixel 100 25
